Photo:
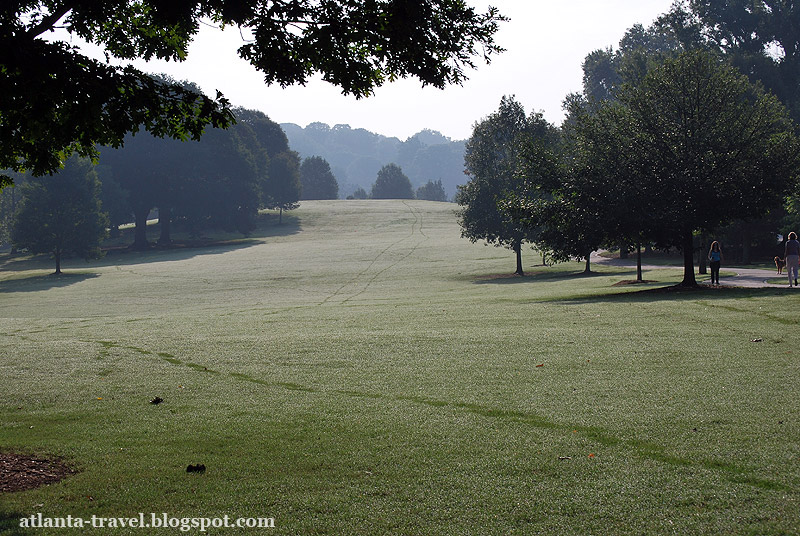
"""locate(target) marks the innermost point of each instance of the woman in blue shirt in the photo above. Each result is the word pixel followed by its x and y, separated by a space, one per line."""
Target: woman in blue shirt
pixel 715 256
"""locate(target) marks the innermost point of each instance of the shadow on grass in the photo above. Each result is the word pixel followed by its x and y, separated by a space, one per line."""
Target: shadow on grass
pixel 667 292
pixel 532 277
pixel 178 250
pixel 43 282
pixel 9 523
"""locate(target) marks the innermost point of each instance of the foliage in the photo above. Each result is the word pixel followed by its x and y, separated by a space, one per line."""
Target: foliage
pixel 432 191
pixel 317 179
pixel 269 134
pixel 493 160
pixel 9 200
pixel 283 187
pixel 759 37
pixel 356 155
pixel 64 216
pixel 211 183
pixel 691 148
pixel 360 193
pixel 392 183
pixel 50 87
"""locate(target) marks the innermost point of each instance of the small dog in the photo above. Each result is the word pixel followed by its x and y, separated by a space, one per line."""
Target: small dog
pixel 779 264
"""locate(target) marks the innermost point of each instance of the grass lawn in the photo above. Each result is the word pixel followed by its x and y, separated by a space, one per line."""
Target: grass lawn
pixel 370 372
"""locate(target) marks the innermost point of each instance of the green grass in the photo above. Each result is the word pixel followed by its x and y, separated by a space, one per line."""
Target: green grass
pixel 370 372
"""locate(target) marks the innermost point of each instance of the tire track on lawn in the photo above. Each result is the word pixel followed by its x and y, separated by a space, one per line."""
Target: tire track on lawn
pixel 417 219
pixel 358 277
pixel 735 473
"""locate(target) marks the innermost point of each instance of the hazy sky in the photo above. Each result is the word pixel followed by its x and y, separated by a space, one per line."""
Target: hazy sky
pixel 545 44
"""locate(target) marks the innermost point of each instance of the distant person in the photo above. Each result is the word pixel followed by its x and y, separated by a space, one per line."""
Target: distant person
pixel 791 254
pixel 715 256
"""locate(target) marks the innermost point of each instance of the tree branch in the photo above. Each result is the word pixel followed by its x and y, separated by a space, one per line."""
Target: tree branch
pixel 49 21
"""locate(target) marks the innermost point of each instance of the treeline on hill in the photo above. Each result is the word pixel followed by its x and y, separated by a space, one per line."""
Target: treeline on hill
pixel 218 182
pixel 357 155
pixel 668 146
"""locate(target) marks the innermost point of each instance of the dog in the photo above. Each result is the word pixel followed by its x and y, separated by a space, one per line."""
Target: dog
pixel 779 264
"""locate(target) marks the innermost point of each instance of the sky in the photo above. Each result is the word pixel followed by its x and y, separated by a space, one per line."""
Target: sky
pixel 545 41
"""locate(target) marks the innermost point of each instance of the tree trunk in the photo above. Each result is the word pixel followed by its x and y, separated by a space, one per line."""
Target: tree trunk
pixel 746 246
pixel 518 251
pixel 164 223
pixel 623 250
pixel 140 230
pixel 639 262
pixel 588 268
pixel 280 216
pixel 544 258
pixel 703 257
pixel 688 261
pixel 57 255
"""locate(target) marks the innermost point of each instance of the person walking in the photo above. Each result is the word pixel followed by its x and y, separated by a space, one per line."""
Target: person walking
pixel 715 257
pixel 791 254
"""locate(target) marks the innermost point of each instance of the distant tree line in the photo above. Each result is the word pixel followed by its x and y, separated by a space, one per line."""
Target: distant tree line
pixel 357 155
pixel 668 144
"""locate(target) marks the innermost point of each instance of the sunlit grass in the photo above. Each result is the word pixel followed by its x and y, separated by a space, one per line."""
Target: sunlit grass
pixel 370 372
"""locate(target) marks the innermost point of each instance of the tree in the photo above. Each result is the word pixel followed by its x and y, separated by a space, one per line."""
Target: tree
pixel 360 193
pixel 392 183
pixel 492 160
pixel 132 167
pixel 283 187
pixel 694 146
pixel 432 191
pixel 62 216
pixel 759 37
pixel 269 134
pixel 9 200
pixel 317 179
pixel 50 87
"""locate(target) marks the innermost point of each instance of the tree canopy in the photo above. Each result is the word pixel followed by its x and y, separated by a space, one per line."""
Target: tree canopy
pixel 693 147
pixel 493 160
pixel 54 100
pixel 317 180
pixel 759 37
pixel 432 191
pixel 392 183
pixel 62 216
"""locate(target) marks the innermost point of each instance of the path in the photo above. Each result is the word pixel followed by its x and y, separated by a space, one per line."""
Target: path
pixel 745 277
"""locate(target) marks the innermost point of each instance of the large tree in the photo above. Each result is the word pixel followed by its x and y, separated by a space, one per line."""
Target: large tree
pixel 55 100
pixel 759 37
pixel 694 146
pixel 317 179
pixel 493 159
pixel 432 191
pixel 283 187
pixel 392 183
pixel 62 216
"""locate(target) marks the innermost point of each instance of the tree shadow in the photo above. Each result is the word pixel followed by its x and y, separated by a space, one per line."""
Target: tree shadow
pixel 181 249
pixel 9 523
pixel 36 283
pixel 532 277
pixel 673 292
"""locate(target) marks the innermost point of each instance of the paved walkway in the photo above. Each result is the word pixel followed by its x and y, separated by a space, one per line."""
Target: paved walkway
pixel 745 277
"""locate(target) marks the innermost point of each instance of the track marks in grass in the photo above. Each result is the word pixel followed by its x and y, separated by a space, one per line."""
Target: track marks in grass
pixel 416 228
pixel 733 472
